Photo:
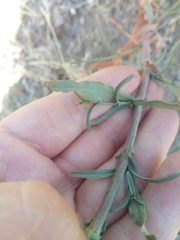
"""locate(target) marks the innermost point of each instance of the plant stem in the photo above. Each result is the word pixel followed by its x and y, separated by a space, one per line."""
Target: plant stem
pixel 101 215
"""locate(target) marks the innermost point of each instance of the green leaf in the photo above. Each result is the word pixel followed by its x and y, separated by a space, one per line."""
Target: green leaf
pixel 137 210
pixel 147 7
pixel 170 57
pixel 120 85
pixel 156 180
pixel 103 38
pixel 96 60
pixel 161 58
pixel 131 184
pixel 91 90
pixel 88 116
pixel 172 11
pixel 175 89
pixel 123 204
pixel 156 104
pixel 104 227
pixel 132 58
pixel 145 233
pixel 132 163
pixel 108 114
pixel 95 174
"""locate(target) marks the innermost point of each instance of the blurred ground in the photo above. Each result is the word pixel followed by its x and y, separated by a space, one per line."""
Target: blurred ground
pixel 42 40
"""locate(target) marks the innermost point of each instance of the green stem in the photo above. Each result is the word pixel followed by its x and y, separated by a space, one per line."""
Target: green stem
pixel 97 223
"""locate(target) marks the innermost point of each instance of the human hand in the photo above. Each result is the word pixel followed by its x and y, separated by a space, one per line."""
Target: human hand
pixel 47 139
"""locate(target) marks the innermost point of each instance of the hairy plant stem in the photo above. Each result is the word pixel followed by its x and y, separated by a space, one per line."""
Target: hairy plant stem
pixel 101 215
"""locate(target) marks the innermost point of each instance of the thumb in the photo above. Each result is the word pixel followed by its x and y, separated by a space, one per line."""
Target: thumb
pixel 34 210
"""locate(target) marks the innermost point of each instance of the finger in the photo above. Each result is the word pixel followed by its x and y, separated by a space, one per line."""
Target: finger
pixel 52 123
pixel 163 208
pixel 34 210
pixel 151 146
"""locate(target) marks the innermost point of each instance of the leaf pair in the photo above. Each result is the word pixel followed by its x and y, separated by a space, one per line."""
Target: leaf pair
pixel 99 174
pixel 99 93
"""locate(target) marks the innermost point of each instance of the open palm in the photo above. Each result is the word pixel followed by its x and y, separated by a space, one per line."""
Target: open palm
pixel 48 139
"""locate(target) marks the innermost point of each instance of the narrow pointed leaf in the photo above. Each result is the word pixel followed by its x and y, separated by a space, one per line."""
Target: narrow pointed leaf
pixel 172 11
pixel 148 8
pixel 89 115
pixel 131 185
pixel 174 88
pixel 120 85
pixel 161 58
pixel 108 114
pixel 103 38
pixel 96 60
pixel 132 58
pixel 170 57
pixel 145 233
pixel 131 166
pixel 156 104
pixel 156 180
pixel 123 204
pixel 95 174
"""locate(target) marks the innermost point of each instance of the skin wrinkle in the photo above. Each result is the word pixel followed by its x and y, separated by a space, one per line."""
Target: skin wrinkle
pixel 162 121
pixel 126 234
pixel 103 127
pixel 66 167
pixel 75 112
pixel 107 138
pixel 142 170
pixel 90 153
pixel 157 140
pixel 153 223
pixel 14 135
pixel 24 167
pixel 86 206
pixel 169 166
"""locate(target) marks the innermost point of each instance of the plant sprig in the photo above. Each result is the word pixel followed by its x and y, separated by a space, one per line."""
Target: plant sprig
pixel 98 93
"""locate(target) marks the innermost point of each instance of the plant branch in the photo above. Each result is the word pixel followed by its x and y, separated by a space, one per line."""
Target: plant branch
pixel 97 223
